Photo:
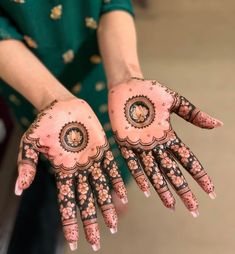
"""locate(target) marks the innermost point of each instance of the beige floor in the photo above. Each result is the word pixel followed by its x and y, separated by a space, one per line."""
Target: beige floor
pixel 188 45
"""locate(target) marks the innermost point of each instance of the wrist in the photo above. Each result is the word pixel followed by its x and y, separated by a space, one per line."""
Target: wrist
pixel 125 73
pixel 56 92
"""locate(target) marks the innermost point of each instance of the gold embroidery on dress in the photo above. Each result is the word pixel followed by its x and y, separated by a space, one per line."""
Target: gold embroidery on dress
pixel 25 121
pixel 76 88
pixel 68 56
pixel 56 12
pixel 91 23
pixel 14 99
pixel 103 108
pixel 107 126
pixel 30 42
pixel 99 86
pixel 95 59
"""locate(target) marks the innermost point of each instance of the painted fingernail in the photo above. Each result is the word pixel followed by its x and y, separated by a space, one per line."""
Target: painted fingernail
pixel 73 246
pixel 212 195
pixel 95 247
pixel 147 193
pixel 113 230
pixel 195 213
pixel 18 190
pixel 124 200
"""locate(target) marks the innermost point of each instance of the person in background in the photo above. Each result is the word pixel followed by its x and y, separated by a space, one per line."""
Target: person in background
pixel 50 55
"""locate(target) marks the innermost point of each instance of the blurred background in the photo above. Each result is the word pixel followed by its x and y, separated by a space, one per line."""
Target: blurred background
pixel 189 46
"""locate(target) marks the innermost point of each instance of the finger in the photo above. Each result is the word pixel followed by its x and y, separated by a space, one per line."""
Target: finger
pixel 156 178
pixel 173 174
pixel 27 163
pixel 189 161
pixel 136 169
pixel 103 195
pixel 67 205
pixel 194 115
pixel 86 204
pixel 112 170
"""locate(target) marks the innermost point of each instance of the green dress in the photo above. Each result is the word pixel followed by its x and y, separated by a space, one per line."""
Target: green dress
pixel 62 34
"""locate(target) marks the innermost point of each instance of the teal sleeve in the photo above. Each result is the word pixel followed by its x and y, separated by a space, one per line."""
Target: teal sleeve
pixel 8 30
pixel 112 5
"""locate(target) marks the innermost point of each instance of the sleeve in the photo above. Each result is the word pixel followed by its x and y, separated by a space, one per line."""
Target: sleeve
pixel 112 5
pixel 7 29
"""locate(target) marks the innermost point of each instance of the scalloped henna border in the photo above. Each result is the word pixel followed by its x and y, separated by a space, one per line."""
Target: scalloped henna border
pixel 91 159
pixel 145 146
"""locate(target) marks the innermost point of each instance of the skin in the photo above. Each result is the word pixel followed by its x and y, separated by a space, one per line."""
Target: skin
pixel 139 112
pixel 69 134
pixel 24 72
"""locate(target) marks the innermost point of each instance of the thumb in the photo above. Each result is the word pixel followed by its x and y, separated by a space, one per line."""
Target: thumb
pixel 27 162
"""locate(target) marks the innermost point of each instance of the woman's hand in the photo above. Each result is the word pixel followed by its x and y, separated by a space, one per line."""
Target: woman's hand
pixel 140 111
pixel 69 134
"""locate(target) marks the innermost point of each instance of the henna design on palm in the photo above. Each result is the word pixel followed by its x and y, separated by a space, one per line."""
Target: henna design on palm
pixel 149 144
pixel 69 134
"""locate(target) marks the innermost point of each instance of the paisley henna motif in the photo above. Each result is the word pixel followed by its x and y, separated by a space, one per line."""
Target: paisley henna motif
pixel 149 144
pixel 69 134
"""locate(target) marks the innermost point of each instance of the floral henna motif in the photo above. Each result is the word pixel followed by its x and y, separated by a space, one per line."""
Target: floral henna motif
pixel 144 133
pixel 71 148
pixel 139 111
pixel 67 205
pixel 156 178
pixel 69 134
pixel 173 174
pixel 102 193
pixel 146 115
pixel 27 160
pixel 74 137
pixel 86 204
pixel 192 114
pixel 114 175
pixel 135 169
pixel 183 154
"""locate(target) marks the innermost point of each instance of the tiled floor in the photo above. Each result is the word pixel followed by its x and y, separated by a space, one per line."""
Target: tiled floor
pixel 188 45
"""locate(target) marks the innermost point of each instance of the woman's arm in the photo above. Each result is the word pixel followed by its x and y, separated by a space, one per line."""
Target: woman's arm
pixel 22 70
pixel 118 46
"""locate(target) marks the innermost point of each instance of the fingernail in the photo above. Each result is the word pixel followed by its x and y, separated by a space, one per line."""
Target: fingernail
pixel 95 247
pixel 212 195
pixel 18 190
pixel 124 200
pixel 172 209
pixel 73 246
pixel 195 213
pixel 113 230
pixel 147 193
pixel 218 123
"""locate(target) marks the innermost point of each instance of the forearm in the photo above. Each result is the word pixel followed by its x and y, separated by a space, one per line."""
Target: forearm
pixel 118 46
pixel 22 70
